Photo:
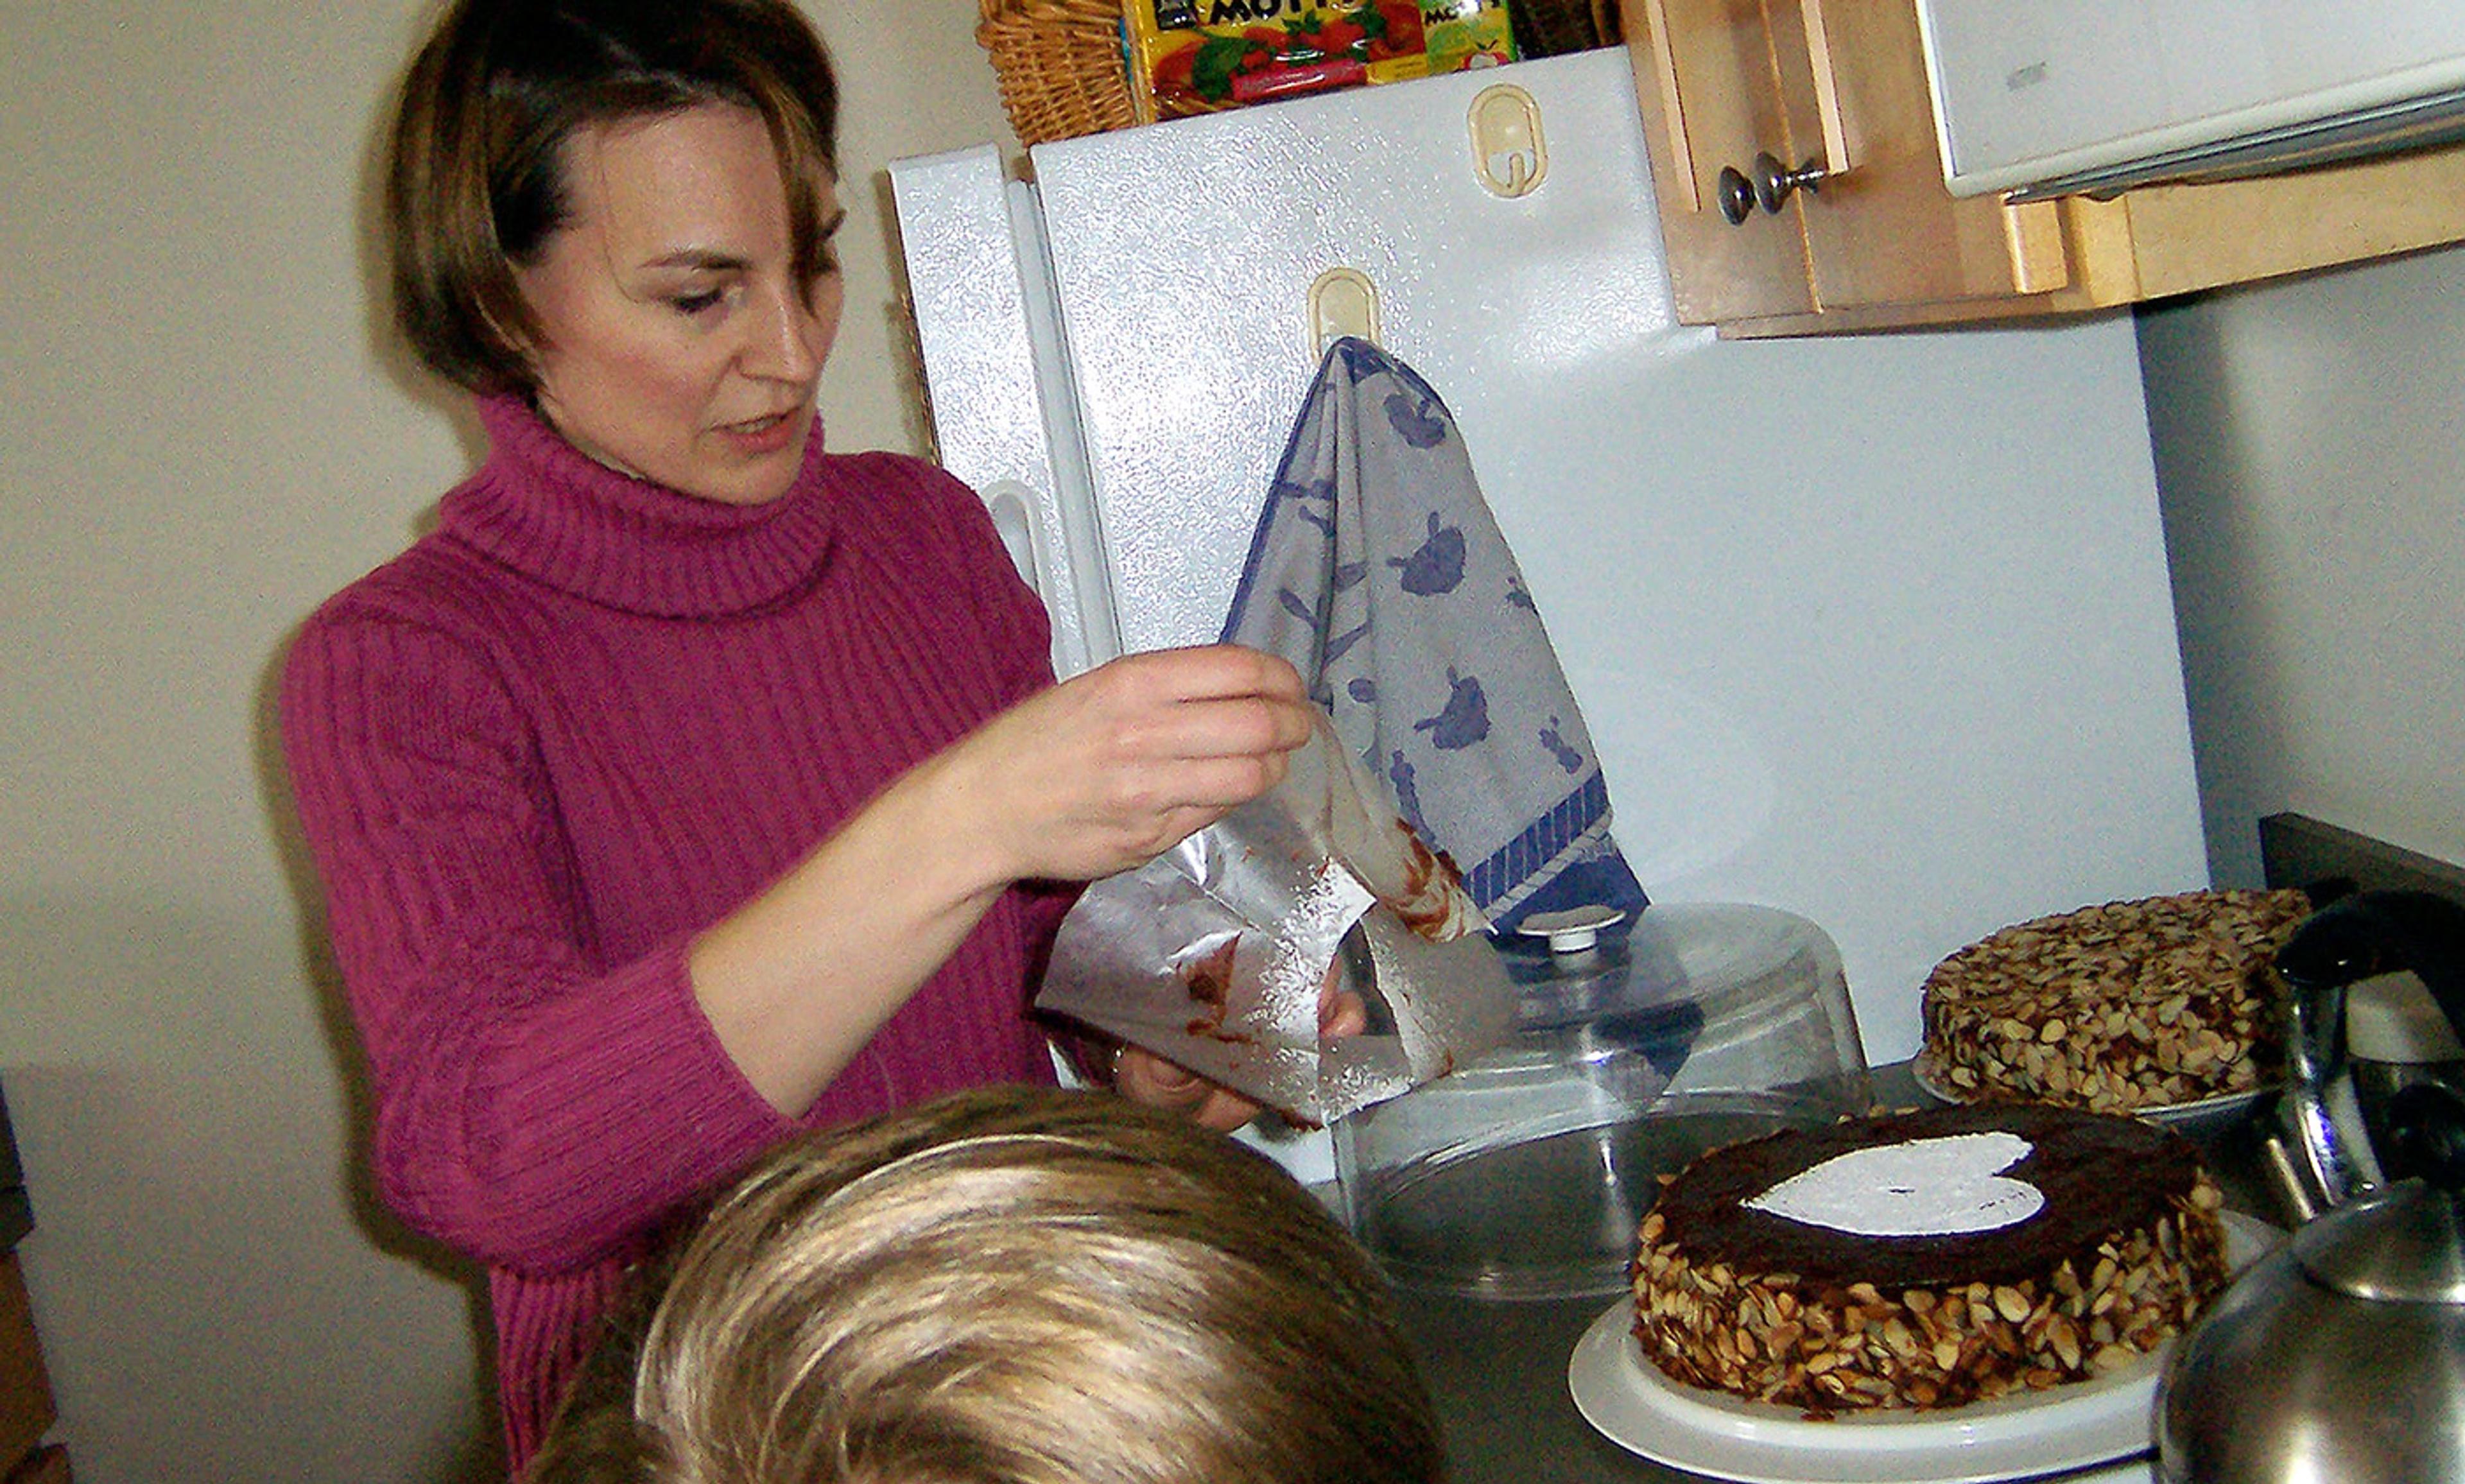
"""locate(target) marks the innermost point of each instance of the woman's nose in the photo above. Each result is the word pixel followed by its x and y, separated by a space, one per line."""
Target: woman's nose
pixel 784 341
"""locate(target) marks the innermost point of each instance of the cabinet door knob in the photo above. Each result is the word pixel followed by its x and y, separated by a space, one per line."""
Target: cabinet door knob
pixel 1768 188
pixel 1773 180
pixel 1737 195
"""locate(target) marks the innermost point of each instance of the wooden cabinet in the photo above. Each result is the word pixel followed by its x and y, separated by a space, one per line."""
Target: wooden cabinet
pixel 1833 94
pixel 26 1412
pixel 1703 72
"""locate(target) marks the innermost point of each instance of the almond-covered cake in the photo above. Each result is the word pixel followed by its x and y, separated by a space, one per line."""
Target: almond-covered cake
pixel 1927 1259
pixel 2129 1006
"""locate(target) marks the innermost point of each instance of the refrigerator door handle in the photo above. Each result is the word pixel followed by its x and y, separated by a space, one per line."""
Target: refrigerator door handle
pixel 1080 640
pixel 1013 506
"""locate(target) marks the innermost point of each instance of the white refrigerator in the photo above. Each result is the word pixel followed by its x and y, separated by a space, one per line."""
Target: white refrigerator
pixel 1877 630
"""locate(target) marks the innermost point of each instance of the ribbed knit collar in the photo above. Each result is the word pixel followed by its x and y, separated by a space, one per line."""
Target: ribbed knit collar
pixel 543 508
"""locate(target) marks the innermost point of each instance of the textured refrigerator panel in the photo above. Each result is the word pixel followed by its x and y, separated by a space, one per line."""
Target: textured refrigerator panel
pixel 1185 256
pixel 1874 629
pixel 981 295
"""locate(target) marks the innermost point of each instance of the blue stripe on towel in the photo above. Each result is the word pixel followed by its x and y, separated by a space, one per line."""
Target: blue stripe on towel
pixel 1578 815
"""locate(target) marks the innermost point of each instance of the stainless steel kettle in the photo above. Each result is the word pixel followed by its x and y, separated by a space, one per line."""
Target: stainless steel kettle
pixel 2340 1356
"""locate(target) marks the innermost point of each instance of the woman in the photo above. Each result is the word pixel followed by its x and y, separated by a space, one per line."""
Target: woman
pixel 1009 1286
pixel 687 786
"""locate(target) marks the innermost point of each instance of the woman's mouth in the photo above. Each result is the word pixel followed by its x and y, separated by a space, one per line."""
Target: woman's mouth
pixel 772 433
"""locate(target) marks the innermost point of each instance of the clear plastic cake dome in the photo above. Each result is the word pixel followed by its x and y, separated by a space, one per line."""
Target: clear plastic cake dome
pixel 1524 1174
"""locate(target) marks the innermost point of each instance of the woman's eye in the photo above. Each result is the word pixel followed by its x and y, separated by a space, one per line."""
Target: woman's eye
pixel 695 303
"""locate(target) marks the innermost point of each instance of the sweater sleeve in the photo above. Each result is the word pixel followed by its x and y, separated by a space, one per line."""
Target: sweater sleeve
pixel 1018 632
pixel 532 1108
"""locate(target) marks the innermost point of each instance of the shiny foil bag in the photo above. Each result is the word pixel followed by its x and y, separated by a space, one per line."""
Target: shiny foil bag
pixel 1215 955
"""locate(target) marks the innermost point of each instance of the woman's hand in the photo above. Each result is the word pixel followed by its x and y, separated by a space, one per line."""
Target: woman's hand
pixel 1110 769
pixel 1080 781
pixel 1143 1076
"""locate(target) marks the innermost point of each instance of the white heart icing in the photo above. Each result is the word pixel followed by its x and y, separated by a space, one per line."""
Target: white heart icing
pixel 1923 1187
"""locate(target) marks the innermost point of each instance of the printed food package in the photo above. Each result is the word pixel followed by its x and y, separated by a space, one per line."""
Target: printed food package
pixel 1195 56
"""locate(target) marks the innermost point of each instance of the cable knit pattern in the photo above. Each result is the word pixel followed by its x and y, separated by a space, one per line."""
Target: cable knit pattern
pixel 581 720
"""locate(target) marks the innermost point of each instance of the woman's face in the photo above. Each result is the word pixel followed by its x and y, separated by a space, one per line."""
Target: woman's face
pixel 678 345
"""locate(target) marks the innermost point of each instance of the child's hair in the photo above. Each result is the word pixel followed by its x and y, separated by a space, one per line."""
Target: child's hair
pixel 1011 1286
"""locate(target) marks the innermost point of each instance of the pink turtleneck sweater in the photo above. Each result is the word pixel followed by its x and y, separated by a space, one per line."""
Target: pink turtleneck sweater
pixel 583 719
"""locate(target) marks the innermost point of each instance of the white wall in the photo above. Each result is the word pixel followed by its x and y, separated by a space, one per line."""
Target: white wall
pixel 2310 440
pixel 203 436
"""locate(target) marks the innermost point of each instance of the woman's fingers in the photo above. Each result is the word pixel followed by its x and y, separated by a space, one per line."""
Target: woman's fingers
pixel 1143 1076
pixel 1193 705
pixel 1219 702
pixel 1341 1014
pixel 1105 771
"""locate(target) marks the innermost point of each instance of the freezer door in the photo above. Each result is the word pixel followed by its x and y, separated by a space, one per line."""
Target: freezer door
pixel 980 295
pixel 1875 629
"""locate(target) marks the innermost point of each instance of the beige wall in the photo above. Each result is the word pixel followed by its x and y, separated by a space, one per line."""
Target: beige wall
pixel 203 439
pixel 2310 441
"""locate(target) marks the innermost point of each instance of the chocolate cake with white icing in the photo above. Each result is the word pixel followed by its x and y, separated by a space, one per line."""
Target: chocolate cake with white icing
pixel 1927 1259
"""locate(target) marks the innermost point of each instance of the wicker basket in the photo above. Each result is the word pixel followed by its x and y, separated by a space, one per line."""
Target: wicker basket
pixel 1059 66
pixel 1553 28
pixel 1062 74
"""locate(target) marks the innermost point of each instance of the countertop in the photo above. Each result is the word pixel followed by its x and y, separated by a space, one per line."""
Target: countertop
pixel 1498 1369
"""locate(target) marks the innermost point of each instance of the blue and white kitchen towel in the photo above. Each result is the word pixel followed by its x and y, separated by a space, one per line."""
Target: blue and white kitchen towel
pixel 1378 570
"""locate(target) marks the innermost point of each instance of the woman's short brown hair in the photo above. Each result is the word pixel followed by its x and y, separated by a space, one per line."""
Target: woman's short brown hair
pixel 1008 1287
pixel 476 182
